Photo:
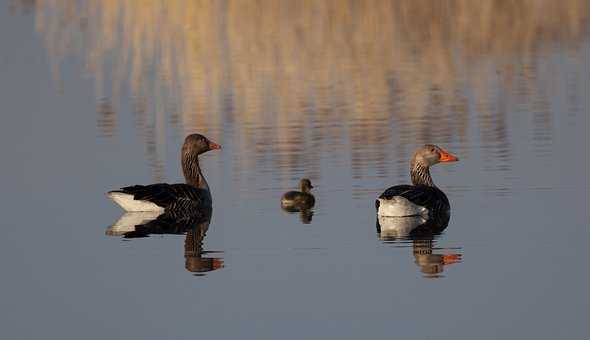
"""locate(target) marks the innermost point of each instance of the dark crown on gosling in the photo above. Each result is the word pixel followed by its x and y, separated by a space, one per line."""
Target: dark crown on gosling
pixel 305 185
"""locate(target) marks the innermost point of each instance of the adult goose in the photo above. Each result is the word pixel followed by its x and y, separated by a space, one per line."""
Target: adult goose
pixel 423 198
pixel 162 197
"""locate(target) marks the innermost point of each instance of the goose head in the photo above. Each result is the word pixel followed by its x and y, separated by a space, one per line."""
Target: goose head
pixel 196 144
pixel 430 154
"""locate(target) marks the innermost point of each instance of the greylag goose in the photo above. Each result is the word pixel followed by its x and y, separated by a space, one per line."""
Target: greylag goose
pixel 299 200
pixel 162 197
pixel 423 198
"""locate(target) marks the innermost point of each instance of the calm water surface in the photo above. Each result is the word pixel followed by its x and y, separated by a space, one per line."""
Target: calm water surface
pixel 96 95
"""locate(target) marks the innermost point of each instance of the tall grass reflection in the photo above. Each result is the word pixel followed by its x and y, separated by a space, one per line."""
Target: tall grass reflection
pixel 362 79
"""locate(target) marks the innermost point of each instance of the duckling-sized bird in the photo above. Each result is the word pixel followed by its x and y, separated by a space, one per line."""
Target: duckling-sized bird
pixel 422 198
pixel 299 200
pixel 162 197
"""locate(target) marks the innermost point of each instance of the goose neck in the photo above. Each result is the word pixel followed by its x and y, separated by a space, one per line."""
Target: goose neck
pixel 192 172
pixel 420 174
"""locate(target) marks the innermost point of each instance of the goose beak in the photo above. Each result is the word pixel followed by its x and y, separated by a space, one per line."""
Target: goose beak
pixel 217 263
pixel 447 157
pixel 451 258
pixel 214 146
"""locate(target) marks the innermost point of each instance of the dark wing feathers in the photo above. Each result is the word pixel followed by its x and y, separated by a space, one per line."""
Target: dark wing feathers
pixel 397 190
pixel 429 197
pixel 166 195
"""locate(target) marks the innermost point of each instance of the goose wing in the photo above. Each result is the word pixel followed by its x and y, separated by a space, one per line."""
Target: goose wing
pixel 166 195
pixel 422 195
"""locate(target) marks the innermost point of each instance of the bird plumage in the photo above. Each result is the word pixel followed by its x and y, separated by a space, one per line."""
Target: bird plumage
pixel 194 194
pixel 422 198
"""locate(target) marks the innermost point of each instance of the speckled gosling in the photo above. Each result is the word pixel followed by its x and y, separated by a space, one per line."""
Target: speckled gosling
pixel 299 199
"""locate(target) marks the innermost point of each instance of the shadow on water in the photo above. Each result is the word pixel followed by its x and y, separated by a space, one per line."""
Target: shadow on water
pixel 421 235
pixel 194 226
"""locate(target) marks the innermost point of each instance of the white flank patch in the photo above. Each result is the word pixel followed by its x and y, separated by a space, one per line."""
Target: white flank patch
pixel 398 206
pixel 399 226
pixel 127 202
pixel 129 220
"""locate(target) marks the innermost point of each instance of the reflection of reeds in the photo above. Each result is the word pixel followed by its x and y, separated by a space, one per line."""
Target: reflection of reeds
pixel 312 73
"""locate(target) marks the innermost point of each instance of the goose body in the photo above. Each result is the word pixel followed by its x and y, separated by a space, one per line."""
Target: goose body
pixel 161 197
pixel 413 200
pixel 423 198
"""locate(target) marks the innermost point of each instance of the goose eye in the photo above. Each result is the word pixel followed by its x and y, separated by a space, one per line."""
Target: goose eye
pixel 432 150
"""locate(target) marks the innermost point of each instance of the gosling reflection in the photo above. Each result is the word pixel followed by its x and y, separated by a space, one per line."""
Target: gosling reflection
pixel 305 215
pixel 422 234
pixel 194 225
pixel 300 201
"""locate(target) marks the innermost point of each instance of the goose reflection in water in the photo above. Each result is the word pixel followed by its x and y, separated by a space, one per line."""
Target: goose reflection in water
pixel 422 233
pixel 194 225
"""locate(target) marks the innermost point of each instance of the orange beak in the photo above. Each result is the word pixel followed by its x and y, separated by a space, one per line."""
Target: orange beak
pixel 214 146
pixel 447 157
pixel 217 263
pixel 451 258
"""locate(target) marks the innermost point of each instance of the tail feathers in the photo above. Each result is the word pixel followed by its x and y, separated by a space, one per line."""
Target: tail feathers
pixel 129 203
pixel 399 206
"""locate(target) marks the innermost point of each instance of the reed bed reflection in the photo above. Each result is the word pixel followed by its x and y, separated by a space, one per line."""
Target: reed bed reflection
pixel 311 78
